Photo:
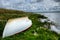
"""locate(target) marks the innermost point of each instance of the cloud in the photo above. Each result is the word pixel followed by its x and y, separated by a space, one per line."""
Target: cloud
pixel 29 5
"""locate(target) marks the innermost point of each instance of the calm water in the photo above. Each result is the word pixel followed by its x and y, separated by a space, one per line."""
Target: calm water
pixel 55 17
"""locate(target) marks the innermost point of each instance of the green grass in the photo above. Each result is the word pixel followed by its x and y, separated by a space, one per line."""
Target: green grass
pixel 35 32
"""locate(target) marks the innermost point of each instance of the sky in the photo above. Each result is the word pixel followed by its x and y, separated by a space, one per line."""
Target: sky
pixel 31 5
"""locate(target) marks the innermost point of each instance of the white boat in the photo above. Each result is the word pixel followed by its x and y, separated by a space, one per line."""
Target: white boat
pixel 16 25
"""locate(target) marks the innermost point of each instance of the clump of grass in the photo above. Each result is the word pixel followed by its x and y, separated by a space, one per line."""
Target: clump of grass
pixel 35 32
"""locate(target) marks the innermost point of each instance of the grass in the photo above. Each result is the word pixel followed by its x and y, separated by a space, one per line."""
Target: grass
pixel 35 32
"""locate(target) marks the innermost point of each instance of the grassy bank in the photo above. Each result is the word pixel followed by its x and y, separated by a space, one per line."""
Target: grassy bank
pixel 35 32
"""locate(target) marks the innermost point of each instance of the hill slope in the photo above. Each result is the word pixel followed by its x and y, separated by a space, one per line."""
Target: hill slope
pixel 36 32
